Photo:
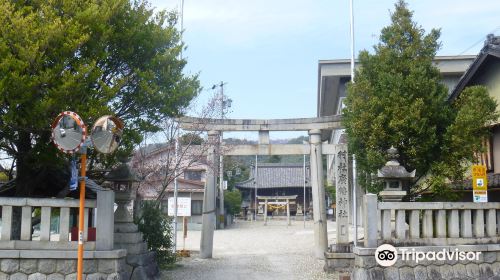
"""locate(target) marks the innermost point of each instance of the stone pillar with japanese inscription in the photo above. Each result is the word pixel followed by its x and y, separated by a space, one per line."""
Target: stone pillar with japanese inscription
pixel 318 195
pixel 342 193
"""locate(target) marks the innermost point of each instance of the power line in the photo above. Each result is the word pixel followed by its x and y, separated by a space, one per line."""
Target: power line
pixel 480 40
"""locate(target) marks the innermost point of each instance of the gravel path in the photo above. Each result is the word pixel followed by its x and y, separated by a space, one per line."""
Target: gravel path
pixel 250 250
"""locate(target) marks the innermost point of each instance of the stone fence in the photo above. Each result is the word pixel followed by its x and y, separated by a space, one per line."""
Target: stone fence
pixel 102 208
pixel 446 228
pixel 51 254
pixel 430 223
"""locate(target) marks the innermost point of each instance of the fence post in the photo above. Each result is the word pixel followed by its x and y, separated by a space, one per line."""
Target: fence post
pixel 491 222
pixel 105 220
pixel 478 223
pixel 370 220
pixel 465 223
pixel 6 222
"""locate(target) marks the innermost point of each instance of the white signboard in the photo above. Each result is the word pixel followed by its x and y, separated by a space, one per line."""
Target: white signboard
pixel 480 196
pixel 183 206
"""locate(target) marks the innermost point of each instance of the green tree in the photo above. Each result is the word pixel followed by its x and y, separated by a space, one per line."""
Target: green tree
pixel 191 139
pixel 91 57
pixel 331 192
pixel 273 159
pixel 398 99
pixel 232 201
pixel 231 164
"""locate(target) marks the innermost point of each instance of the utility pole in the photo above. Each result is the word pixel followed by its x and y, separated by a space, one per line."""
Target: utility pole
pixel 224 103
pixel 221 164
pixel 255 192
pixel 182 21
pixel 176 186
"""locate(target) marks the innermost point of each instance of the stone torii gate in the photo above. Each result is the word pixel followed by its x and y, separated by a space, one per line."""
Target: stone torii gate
pixel 315 149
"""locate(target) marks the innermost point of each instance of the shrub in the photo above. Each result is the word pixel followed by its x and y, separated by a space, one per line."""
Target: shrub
pixel 157 230
pixel 232 201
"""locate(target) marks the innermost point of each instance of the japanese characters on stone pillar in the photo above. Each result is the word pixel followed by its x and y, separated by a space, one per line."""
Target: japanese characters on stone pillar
pixel 342 193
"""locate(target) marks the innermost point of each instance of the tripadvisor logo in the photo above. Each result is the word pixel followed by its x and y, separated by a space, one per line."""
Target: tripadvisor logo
pixel 387 255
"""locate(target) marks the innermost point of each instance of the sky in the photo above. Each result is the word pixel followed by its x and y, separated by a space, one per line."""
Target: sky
pixel 267 51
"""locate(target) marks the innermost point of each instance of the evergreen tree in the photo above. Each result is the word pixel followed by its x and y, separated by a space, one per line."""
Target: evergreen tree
pixel 92 57
pixel 398 100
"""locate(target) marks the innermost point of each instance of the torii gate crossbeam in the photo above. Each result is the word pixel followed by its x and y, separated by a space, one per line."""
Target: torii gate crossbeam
pixel 302 124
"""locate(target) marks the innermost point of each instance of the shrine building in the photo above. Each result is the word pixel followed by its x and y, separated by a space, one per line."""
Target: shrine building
pixel 277 180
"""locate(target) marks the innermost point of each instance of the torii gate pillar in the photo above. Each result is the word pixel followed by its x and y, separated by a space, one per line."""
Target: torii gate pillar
pixel 208 217
pixel 318 195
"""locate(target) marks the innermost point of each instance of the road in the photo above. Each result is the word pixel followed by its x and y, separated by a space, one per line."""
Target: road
pixel 250 250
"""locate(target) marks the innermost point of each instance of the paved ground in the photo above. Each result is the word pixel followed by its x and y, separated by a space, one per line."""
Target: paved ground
pixel 250 250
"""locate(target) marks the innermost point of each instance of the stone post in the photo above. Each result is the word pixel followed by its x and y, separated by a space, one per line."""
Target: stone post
pixel 370 220
pixel 105 220
pixel 318 195
pixel 208 218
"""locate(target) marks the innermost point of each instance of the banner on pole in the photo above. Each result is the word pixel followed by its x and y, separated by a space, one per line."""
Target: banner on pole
pixel 73 181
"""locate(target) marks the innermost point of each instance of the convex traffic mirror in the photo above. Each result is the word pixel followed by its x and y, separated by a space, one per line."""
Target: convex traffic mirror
pixel 68 132
pixel 106 134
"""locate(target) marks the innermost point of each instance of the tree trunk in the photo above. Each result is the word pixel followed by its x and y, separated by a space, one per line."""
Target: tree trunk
pixel 23 188
pixel 23 168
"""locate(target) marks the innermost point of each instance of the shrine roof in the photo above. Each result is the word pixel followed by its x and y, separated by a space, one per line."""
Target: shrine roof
pixel 277 175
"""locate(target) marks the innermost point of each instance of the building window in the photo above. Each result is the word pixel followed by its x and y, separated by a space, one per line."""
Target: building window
pixel 192 175
pixel 486 157
pixel 164 206
pixel 341 105
pixel 196 207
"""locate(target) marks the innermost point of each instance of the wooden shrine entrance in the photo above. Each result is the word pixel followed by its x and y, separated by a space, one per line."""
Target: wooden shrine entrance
pixel 275 204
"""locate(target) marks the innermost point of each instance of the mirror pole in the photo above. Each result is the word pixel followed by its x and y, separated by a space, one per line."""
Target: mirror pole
pixel 81 217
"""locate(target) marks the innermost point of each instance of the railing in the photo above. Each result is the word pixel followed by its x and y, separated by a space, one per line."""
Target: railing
pixel 102 208
pixel 430 223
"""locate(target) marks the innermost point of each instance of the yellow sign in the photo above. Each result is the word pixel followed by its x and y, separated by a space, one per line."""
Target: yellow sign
pixel 479 183
pixel 479 180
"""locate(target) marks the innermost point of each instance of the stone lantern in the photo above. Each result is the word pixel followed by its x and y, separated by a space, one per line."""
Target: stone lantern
pixel 140 263
pixel 124 182
pixel 395 176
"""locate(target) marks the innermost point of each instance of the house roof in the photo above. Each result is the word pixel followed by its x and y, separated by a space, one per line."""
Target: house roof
pixel 151 189
pixel 492 178
pixel 277 175
pixel 491 50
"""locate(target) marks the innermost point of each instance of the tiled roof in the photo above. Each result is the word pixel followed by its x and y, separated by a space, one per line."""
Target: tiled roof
pixel 277 175
pixel 491 50
pixel 151 189
pixel 493 182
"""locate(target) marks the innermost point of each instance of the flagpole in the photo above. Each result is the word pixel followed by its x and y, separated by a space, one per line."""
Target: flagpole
pixel 304 207
pixel 352 38
pixel 355 218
